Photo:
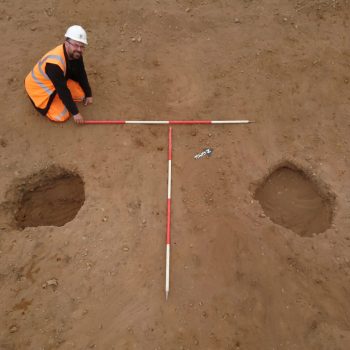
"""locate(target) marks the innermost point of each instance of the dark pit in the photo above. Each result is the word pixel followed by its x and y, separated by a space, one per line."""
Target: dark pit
pixel 291 199
pixel 50 198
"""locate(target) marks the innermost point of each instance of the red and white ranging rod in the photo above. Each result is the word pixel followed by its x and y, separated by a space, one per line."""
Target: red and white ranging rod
pixel 168 122
pixel 167 267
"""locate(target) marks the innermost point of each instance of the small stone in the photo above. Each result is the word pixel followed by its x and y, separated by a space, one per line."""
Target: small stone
pixel 33 29
pixel 126 249
pixel 105 219
pixel 225 316
pixel 49 11
pixel 13 329
pixel 139 39
pixel 53 282
pixel 237 20
pixel 188 9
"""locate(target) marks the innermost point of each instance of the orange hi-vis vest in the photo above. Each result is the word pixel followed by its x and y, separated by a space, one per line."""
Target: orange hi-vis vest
pixel 38 85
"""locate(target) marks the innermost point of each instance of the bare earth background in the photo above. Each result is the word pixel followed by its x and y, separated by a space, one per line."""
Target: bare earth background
pixel 238 280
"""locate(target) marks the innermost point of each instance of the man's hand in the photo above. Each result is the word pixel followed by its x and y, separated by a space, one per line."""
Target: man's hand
pixel 87 101
pixel 78 118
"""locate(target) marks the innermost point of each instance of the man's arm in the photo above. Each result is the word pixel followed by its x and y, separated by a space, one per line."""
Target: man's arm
pixel 79 75
pixel 56 75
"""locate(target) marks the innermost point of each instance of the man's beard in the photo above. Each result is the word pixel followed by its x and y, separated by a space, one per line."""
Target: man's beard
pixel 75 55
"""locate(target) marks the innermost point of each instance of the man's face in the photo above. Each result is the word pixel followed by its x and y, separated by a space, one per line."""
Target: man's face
pixel 74 49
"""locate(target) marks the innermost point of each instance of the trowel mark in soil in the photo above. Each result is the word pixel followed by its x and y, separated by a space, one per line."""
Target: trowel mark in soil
pixel 292 200
pixel 53 199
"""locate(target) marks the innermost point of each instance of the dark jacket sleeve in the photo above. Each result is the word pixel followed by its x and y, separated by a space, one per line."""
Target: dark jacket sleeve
pixel 79 75
pixel 56 75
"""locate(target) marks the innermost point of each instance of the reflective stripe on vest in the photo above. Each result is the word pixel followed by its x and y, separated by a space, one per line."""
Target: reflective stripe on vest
pixel 40 64
pixel 42 85
pixel 58 118
pixel 56 57
pixel 37 83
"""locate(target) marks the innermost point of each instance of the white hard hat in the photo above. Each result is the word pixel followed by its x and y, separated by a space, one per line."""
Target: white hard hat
pixel 77 33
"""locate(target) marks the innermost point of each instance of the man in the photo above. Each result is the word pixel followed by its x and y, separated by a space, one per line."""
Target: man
pixel 59 79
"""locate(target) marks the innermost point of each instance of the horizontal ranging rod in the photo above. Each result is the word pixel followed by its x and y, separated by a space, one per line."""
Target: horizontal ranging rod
pixel 167 122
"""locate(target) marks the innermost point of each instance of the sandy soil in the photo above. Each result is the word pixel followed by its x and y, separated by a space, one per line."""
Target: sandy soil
pixel 238 280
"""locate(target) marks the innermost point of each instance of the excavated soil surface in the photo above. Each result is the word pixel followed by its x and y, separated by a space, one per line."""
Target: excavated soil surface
pixel 238 279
